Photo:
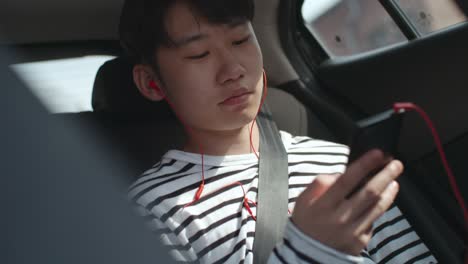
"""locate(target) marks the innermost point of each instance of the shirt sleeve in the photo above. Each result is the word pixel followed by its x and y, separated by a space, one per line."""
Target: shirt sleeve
pixel 297 247
pixel 179 251
pixel 395 241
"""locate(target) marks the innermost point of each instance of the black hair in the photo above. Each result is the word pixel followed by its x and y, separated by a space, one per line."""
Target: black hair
pixel 142 23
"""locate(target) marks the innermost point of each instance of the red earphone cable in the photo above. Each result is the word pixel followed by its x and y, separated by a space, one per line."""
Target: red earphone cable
pixel 264 95
pixel 265 85
pixel 186 127
pixel 202 185
pixel 246 201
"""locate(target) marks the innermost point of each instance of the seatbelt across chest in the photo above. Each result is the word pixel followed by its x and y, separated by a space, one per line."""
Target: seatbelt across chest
pixel 273 185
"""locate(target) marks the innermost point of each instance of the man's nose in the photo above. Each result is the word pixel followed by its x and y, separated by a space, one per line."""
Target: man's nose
pixel 230 68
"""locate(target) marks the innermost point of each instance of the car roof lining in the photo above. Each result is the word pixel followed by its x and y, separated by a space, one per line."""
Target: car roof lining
pixel 29 21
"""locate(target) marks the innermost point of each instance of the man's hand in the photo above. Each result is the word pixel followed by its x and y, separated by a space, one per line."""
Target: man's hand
pixel 324 212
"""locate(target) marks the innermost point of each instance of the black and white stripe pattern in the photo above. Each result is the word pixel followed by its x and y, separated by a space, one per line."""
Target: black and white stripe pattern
pixel 218 229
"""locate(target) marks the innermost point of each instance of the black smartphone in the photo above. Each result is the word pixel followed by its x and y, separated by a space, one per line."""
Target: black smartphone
pixel 381 131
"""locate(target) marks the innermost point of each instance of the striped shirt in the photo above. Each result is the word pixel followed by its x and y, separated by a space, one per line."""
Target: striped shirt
pixel 218 229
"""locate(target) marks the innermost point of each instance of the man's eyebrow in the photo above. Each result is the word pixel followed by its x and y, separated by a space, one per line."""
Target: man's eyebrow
pixel 236 23
pixel 189 39
pixel 197 37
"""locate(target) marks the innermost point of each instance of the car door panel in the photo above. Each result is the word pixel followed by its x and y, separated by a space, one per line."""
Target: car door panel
pixel 431 72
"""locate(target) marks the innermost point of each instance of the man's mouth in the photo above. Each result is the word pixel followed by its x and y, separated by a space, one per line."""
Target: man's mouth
pixel 238 97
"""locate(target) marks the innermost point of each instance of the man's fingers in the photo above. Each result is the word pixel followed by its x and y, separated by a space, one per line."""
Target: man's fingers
pixel 365 221
pixel 372 191
pixel 355 173
pixel 319 186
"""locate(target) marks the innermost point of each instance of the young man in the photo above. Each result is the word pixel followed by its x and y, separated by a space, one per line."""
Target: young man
pixel 202 57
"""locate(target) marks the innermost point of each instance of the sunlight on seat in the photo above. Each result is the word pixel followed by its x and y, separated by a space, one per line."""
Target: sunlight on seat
pixel 63 85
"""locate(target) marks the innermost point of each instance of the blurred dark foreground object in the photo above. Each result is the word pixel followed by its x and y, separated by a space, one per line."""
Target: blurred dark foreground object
pixel 61 202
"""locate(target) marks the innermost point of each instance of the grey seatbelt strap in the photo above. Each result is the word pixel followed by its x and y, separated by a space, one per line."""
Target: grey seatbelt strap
pixel 272 201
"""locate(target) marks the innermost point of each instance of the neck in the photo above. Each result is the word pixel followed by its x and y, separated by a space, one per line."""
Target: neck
pixel 221 143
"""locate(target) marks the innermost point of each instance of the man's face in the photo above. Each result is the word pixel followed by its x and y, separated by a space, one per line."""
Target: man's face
pixel 213 73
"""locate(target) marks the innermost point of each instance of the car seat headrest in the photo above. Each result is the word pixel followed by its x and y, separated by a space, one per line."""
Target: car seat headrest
pixel 115 92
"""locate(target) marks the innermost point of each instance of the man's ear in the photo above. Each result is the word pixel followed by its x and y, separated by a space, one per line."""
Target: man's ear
pixel 143 76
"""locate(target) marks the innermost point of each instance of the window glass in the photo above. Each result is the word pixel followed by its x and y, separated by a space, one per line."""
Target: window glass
pixel 346 27
pixel 431 15
pixel 63 85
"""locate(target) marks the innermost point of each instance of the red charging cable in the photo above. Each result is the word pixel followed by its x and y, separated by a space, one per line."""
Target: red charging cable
pixel 401 107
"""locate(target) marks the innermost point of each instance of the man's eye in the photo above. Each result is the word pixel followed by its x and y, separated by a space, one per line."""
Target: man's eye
pixel 197 57
pixel 239 42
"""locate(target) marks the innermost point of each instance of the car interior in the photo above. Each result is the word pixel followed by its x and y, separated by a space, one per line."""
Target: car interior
pixel 313 90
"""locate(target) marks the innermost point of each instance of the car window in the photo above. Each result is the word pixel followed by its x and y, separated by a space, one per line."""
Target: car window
pixel 432 15
pixel 348 27
pixel 63 85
